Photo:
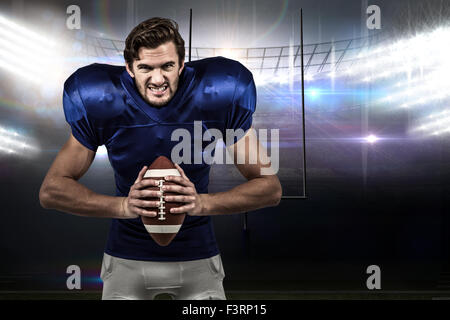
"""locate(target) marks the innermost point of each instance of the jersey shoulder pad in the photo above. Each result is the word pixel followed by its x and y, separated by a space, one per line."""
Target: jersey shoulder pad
pixel 98 88
pixel 222 78
pixel 225 67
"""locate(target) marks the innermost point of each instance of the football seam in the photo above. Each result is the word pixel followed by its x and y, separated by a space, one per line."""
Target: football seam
pixel 161 207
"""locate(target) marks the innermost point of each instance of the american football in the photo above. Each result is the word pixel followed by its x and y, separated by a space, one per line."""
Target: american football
pixel 164 227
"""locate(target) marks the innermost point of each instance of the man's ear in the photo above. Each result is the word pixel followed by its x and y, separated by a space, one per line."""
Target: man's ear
pixel 129 70
pixel 182 67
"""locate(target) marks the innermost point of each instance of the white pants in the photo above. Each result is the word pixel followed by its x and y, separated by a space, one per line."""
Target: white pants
pixel 125 279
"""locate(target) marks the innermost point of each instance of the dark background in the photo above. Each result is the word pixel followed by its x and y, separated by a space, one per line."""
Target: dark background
pixel 385 204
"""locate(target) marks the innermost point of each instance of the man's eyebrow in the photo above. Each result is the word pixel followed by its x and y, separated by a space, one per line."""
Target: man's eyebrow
pixel 144 65
pixel 169 63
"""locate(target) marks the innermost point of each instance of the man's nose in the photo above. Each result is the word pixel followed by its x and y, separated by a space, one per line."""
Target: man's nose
pixel 157 77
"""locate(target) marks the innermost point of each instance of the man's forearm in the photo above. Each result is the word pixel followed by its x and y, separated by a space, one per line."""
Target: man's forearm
pixel 251 195
pixel 68 195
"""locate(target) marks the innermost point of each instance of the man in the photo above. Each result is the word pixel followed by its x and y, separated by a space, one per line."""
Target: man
pixel 133 112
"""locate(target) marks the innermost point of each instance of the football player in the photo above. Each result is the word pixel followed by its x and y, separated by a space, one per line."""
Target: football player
pixel 133 111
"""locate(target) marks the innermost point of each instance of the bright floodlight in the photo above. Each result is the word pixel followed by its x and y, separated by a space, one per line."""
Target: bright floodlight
pixel 229 53
pixel 422 60
pixel 13 143
pixel 435 124
pixel 26 53
pixel 24 32
pixel 371 138
pixel 309 77
pixel 314 92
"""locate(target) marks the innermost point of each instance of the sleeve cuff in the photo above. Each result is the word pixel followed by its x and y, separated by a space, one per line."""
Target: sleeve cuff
pixel 83 141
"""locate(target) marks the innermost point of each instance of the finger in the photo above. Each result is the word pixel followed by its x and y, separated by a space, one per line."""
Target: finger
pixel 146 183
pixel 179 198
pixel 141 174
pixel 144 203
pixel 181 171
pixel 183 209
pixel 142 194
pixel 177 189
pixel 145 213
pixel 180 180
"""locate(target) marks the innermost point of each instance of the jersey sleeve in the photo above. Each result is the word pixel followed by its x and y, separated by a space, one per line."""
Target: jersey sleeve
pixel 76 116
pixel 244 104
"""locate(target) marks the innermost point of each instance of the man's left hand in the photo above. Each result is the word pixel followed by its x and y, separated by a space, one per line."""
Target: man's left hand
pixel 186 194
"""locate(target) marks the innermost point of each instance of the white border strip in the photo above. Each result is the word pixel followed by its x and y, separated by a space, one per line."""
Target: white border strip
pixel 162 228
pixel 154 173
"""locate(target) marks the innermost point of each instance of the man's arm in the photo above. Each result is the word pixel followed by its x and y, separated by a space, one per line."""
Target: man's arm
pixel 61 190
pixel 258 192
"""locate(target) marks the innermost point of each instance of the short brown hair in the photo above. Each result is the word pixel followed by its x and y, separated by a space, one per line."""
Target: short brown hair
pixel 152 33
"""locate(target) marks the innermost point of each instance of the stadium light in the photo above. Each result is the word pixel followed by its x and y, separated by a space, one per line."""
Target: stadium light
pixel 228 53
pixel 371 138
pixel 28 54
pixel 25 32
pixel 435 124
pixel 429 50
pixel 313 92
pixel 13 143
pixel 309 77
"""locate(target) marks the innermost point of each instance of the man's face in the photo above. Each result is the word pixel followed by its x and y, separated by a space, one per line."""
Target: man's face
pixel 156 73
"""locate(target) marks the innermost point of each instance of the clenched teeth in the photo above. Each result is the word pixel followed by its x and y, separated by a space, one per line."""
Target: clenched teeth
pixel 158 89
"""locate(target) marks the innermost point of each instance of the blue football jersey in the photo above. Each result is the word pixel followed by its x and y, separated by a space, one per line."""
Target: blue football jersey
pixel 103 107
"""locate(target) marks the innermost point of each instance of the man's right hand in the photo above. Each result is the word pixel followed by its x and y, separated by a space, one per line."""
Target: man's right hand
pixel 136 204
pixel 61 190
